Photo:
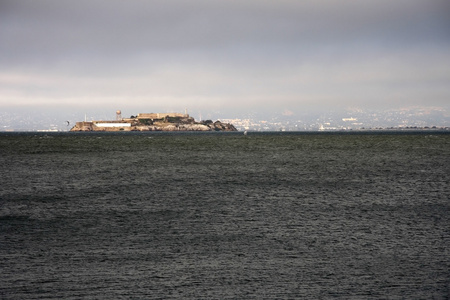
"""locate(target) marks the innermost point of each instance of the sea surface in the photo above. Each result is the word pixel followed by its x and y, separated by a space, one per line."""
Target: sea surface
pixel 225 216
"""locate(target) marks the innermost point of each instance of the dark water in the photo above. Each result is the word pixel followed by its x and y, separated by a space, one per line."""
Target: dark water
pixel 224 216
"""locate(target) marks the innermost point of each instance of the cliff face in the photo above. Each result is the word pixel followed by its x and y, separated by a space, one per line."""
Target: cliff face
pixel 165 124
pixel 217 126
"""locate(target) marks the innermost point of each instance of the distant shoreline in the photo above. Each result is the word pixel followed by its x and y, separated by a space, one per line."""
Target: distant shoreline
pixel 445 130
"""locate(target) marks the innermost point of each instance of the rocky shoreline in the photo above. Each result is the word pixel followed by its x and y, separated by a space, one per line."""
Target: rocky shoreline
pixel 154 122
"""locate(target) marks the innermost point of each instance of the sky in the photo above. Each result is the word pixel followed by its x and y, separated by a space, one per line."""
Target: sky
pixel 235 55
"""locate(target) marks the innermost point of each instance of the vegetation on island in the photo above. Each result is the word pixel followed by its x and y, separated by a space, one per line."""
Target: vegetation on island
pixel 155 122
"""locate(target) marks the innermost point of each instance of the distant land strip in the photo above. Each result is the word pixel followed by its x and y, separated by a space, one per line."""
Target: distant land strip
pixel 153 122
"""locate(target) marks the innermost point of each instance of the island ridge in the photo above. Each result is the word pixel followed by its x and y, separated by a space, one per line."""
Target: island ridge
pixel 153 122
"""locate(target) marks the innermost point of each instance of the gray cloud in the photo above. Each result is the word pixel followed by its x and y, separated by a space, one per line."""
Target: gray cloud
pixel 203 52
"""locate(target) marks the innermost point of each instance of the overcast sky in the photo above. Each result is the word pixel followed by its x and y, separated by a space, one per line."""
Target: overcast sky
pixel 234 54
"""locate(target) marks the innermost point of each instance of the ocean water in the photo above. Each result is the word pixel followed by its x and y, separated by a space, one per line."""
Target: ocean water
pixel 225 216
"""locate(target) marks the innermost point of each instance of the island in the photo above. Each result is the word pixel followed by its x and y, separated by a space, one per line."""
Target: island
pixel 153 122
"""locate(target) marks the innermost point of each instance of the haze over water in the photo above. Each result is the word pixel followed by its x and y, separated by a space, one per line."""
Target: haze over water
pixel 225 216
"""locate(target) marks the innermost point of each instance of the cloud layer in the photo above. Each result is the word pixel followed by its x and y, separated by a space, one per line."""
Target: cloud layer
pixel 207 53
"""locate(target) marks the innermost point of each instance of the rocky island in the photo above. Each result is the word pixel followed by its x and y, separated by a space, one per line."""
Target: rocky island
pixel 153 122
